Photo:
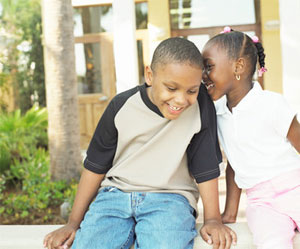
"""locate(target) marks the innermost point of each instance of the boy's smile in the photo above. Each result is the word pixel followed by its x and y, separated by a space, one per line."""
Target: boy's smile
pixel 174 87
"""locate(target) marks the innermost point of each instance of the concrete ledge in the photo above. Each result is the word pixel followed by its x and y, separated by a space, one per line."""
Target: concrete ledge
pixel 31 236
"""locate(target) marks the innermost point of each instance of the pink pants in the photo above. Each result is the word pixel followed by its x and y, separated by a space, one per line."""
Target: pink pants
pixel 273 211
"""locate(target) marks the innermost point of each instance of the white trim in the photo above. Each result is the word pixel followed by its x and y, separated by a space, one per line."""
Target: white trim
pixel 85 3
pixel 82 3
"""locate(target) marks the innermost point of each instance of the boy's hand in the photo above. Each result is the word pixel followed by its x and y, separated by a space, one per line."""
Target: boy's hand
pixel 61 238
pixel 218 235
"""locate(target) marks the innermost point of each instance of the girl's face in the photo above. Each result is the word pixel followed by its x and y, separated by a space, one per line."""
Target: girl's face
pixel 218 75
pixel 174 87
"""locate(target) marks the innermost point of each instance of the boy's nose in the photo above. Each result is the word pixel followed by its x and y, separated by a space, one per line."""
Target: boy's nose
pixel 180 99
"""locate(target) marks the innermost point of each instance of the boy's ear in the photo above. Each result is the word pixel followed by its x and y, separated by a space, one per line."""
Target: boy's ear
pixel 148 75
pixel 240 66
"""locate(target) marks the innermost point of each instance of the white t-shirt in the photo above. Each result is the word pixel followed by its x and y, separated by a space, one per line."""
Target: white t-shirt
pixel 254 136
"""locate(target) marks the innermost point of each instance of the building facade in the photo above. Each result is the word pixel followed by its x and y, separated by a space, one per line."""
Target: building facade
pixel 114 40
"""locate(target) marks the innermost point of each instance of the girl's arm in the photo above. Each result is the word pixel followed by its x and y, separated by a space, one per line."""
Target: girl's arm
pixel 294 134
pixel 87 189
pixel 233 194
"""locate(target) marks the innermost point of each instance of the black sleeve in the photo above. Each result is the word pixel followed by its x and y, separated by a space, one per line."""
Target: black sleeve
pixel 204 154
pixel 102 148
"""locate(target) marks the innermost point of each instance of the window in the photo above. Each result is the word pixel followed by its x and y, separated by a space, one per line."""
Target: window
pixel 88 20
pixel 92 24
pixel 210 13
pixel 88 68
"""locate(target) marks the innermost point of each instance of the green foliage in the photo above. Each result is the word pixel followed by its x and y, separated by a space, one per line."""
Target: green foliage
pixel 35 193
pixel 5 156
pixel 4 79
pixel 26 190
pixel 20 135
pixel 70 193
pixel 22 58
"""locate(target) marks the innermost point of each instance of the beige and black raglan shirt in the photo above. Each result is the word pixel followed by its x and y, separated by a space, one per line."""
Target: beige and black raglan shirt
pixel 141 151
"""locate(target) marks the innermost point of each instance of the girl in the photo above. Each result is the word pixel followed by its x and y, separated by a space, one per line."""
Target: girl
pixel 260 136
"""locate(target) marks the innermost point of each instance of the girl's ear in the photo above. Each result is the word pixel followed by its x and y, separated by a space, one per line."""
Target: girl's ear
pixel 240 66
pixel 148 75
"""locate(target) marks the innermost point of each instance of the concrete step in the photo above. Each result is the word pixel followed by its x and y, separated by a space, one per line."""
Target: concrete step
pixel 31 237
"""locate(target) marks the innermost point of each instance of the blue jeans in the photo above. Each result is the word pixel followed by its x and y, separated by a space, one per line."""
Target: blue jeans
pixel 116 220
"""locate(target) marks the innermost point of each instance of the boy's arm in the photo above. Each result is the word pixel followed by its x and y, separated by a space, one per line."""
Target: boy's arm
pixel 213 231
pixel 233 194
pixel 209 195
pixel 87 188
pixel 294 134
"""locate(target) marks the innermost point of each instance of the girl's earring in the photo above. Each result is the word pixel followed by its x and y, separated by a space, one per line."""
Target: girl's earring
pixel 238 77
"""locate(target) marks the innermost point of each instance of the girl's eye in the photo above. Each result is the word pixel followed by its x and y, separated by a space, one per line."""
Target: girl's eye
pixel 208 68
pixel 192 91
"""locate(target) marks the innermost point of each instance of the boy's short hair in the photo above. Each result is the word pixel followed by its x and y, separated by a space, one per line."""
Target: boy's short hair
pixel 178 50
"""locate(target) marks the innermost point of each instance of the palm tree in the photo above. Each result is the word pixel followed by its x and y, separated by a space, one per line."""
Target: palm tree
pixel 61 89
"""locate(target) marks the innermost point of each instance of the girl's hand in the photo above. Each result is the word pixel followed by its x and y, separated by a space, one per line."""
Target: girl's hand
pixel 61 238
pixel 227 218
pixel 218 235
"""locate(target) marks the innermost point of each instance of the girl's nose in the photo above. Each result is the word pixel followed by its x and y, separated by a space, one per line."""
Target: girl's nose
pixel 204 75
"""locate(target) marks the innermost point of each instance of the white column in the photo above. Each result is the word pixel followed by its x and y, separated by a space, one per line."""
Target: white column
pixel 125 47
pixel 290 36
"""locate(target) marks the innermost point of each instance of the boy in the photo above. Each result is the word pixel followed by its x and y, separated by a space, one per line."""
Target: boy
pixel 151 144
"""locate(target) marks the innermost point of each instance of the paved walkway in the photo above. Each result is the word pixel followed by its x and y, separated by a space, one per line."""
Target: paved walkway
pixel 24 237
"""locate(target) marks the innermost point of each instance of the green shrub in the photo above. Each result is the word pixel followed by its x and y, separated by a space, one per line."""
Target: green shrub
pixel 5 157
pixel 20 135
pixel 27 193
pixel 35 193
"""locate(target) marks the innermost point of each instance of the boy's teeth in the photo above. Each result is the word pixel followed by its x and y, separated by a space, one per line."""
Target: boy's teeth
pixel 174 108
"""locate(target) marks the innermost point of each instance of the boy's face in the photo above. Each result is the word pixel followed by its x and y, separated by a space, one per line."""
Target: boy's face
pixel 218 75
pixel 174 87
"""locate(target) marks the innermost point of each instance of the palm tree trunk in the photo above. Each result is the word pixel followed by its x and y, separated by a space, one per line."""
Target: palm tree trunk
pixel 61 89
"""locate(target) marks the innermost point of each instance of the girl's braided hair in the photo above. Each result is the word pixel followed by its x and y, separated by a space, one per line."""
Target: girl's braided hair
pixel 238 44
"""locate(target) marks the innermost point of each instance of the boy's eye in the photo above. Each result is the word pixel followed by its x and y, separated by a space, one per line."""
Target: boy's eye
pixel 172 89
pixel 192 91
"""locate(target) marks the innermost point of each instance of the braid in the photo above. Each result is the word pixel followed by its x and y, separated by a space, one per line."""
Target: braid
pixel 261 54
